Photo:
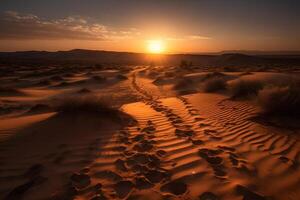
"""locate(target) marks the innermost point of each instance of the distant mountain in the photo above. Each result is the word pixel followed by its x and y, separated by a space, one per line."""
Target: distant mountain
pixel 253 52
pixel 81 56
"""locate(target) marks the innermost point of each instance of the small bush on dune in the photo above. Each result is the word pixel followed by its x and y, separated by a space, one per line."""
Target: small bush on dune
pixel 153 74
pixel 86 104
pixel 214 84
pixel 280 100
pixel 185 86
pixel 242 89
pixel 92 106
pixel 183 83
pixel 213 75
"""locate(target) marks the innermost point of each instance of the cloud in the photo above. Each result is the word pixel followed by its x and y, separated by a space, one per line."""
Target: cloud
pixel 198 37
pixel 17 26
pixel 190 37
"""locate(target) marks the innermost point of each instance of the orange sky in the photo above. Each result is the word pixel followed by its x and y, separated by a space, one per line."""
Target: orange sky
pixel 183 26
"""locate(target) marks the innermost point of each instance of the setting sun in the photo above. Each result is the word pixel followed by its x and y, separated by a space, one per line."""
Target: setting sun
pixel 156 46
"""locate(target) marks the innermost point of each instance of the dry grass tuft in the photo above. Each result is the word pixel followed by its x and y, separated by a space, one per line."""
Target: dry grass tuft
pixel 243 89
pixel 213 75
pixel 87 104
pixel 279 100
pixel 214 84
pixel 90 105
pixel 183 83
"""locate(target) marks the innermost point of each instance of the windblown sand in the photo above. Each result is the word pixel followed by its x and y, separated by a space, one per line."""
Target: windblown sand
pixel 199 146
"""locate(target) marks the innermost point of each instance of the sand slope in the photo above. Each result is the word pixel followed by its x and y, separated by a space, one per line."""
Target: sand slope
pixel 200 146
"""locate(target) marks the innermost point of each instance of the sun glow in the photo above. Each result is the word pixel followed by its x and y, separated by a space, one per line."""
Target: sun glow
pixel 156 46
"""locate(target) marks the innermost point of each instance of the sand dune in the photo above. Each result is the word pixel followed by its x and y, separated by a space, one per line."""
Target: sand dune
pixel 198 146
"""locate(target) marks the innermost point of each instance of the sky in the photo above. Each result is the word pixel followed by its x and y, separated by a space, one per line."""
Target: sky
pixel 183 26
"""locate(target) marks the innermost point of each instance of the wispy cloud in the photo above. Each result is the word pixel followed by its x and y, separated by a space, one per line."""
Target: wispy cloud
pixel 190 37
pixel 28 26
pixel 198 37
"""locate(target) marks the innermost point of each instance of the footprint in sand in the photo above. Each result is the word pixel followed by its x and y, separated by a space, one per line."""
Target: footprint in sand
pixel 144 146
pixel 120 165
pixel 201 125
pixel 156 176
pixel 161 153
pixel 184 132
pixel 215 161
pixel 123 188
pixel 175 187
pixel 142 183
pixel 197 142
pixel 80 181
pixel 108 175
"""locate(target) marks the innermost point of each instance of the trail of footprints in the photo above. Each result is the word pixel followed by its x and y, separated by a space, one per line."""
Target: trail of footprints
pixel 138 159
pixel 145 162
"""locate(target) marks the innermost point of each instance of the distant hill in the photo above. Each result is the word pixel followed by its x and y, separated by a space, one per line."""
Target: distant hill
pixel 249 52
pixel 81 56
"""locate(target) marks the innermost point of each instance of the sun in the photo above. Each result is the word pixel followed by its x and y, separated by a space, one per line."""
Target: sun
pixel 156 46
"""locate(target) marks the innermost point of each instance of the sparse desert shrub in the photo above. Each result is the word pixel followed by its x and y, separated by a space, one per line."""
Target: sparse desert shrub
pixel 213 75
pixel 214 84
pixel 243 89
pixel 161 80
pixel 85 104
pixel 183 83
pixel 184 64
pixel 280 100
pixel 185 86
pixel 152 74
pixel 91 105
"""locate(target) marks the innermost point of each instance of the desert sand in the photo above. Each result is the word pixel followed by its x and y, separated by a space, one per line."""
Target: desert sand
pixel 179 135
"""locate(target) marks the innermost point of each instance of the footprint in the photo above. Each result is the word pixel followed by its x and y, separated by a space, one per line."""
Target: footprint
pixel 174 187
pixel 197 142
pixel 120 165
pixel 156 176
pixel 214 160
pixel 142 183
pixel 184 133
pixel 123 188
pixel 109 175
